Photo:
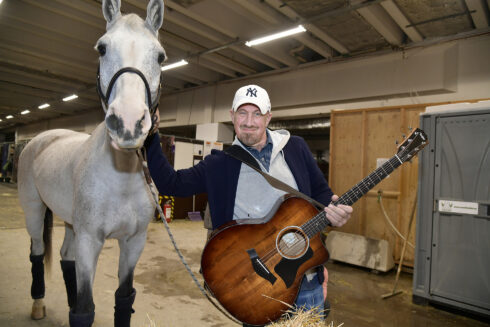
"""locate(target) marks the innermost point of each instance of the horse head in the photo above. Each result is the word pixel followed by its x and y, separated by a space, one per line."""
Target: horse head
pixel 129 75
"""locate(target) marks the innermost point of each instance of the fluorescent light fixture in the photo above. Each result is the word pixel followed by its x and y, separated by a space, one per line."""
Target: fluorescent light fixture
pixel 71 97
pixel 1 1
pixel 44 106
pixel 276 36
pixel 9 117
pixel 183 62
pixel 25 112
pixel 1 118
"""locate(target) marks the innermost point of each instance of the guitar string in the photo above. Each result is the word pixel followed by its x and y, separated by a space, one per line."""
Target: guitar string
pixel 306 227
pixel 394 162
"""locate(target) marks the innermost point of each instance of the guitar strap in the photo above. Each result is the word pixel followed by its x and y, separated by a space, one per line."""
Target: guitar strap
pixel 244 156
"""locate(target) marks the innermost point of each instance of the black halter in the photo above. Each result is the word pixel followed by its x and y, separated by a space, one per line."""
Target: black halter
pixel 152 106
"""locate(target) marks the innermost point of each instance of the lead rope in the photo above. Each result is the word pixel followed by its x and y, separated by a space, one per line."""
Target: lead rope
pixel 142 157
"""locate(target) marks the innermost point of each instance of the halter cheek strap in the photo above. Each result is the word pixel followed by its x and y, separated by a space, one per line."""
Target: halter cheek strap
pixel 152 106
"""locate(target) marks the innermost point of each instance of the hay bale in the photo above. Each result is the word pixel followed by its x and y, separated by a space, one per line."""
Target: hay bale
pixel 303 318
pixel 296 318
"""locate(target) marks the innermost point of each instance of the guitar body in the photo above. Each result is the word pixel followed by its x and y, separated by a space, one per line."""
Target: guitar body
pixel 255 270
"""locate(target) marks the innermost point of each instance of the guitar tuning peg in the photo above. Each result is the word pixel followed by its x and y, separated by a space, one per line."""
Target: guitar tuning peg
pixel 396 142
pixel 403 135
pixel 410 128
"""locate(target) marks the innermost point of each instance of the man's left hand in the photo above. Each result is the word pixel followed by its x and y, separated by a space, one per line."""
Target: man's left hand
pixel 338 215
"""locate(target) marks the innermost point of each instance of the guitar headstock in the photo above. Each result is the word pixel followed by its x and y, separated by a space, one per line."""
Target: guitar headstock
pixel 412 144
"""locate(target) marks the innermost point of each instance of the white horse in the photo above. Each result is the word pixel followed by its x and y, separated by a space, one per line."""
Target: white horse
pixel 95 182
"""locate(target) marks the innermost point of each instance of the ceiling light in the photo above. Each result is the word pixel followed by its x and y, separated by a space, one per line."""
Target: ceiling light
pixel 71 97
pixel 0 118
pixel 25 112
pixel 44 106
pixel 183 62
pixel 276 36
pixel 9 117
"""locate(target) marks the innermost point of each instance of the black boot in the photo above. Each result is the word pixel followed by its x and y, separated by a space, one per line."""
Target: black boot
pixel 37 270
pixel 70 277
pixel 123 310
pixel 81 319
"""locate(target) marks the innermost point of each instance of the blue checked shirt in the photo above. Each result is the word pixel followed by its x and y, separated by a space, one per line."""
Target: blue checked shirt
pixel 264 155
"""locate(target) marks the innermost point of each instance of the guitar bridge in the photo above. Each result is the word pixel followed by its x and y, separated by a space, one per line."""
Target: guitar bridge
pixel 260 268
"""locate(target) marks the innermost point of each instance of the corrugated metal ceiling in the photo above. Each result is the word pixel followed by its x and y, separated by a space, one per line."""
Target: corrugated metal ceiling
pixel 46 47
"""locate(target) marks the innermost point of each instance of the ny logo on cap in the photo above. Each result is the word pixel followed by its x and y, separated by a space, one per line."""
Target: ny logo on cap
pixel 252 92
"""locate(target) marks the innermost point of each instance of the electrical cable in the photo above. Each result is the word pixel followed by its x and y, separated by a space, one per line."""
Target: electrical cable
pixel 388 220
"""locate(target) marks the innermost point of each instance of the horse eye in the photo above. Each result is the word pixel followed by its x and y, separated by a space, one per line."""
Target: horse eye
pixel 161 57
pixel 101 48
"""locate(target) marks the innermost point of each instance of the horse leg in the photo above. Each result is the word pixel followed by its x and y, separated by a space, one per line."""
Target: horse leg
pixel 68 265
pixel 40 231
pixel 130 251
pixel 87 250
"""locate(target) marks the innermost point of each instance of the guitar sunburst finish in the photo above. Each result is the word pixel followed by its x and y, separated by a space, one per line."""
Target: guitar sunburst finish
pixel 229 270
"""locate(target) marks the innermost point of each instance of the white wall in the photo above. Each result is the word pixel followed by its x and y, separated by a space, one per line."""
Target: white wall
pixel 453 71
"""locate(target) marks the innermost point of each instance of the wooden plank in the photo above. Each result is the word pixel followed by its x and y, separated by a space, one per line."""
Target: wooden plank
pixel 345 136
pixel 362 204
pixel 358 139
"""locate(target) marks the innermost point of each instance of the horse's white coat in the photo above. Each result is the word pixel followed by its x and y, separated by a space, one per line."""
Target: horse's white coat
pixel 87 180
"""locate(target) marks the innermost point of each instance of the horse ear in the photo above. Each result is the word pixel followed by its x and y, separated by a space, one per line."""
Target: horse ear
pixel 154 15
pixel 111 10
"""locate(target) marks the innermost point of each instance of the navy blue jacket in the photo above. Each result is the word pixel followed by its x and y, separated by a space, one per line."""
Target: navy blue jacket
pixel 218 175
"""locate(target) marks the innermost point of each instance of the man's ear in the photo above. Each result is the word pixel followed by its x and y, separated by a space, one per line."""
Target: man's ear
pixel 269 117
pixel 232 116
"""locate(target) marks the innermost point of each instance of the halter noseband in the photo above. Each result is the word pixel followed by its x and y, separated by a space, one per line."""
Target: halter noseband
pixel 105 98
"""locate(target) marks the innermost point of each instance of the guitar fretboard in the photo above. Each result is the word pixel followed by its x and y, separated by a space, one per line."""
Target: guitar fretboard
pixel 320 221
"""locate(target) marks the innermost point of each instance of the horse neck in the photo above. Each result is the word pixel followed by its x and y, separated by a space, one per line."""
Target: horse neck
pixel 122 161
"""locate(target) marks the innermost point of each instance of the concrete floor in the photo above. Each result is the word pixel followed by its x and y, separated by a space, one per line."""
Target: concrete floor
pixel 166 293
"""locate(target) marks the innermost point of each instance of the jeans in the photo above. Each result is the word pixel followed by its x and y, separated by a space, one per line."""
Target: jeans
pixel 310 296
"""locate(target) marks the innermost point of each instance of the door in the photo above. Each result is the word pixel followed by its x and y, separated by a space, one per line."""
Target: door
pixel 460 266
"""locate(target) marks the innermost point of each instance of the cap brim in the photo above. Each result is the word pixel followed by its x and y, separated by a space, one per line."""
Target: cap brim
pixel 245 101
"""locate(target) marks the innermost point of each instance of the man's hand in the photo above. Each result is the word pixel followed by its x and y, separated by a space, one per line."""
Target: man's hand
pixel 338 215
pixel 155 122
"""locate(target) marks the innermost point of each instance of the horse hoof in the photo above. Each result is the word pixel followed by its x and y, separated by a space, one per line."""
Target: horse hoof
pixel 38 309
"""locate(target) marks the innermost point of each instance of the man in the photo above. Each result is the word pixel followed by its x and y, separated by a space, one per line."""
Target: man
pixel 236 191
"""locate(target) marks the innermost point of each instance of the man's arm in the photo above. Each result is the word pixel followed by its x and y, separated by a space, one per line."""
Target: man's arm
pixel 184 182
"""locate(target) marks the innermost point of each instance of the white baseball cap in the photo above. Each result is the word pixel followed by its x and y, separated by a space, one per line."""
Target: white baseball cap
pixel 252 94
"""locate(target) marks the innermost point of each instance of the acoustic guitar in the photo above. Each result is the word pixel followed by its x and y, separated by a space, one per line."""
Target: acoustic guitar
pixel 255 269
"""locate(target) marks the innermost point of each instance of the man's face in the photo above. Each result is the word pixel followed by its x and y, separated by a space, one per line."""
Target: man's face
pixel 250 125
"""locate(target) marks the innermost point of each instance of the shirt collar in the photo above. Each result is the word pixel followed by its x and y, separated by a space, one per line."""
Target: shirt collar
pixel 267 142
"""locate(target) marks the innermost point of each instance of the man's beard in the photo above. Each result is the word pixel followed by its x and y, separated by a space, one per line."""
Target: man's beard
pixel 249 139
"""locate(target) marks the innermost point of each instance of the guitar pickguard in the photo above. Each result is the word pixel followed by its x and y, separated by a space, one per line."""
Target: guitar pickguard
pixel 288 268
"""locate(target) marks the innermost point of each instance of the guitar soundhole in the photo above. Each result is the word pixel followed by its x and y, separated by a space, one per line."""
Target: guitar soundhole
pixel 292 242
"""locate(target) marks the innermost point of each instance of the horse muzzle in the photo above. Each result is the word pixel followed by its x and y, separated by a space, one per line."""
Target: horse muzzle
pixel 123 138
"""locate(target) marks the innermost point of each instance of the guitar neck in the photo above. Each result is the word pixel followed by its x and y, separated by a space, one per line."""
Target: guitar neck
pixel 320 221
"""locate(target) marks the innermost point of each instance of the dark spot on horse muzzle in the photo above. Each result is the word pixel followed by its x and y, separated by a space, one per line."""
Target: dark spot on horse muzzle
pixel 115 124
pixel 138 129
